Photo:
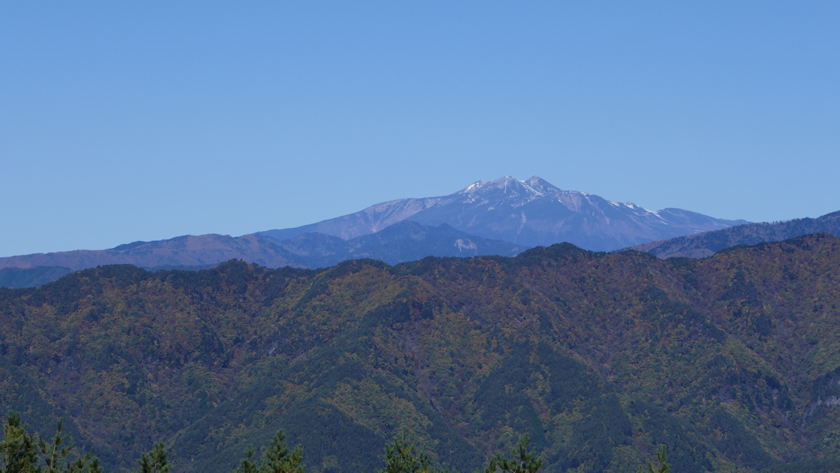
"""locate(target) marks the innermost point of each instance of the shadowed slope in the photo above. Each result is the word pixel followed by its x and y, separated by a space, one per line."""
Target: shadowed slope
pixel 706 244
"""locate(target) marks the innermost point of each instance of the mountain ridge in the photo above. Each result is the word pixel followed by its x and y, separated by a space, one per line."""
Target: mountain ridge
pixel 709 243
pixel 403 241
pixel 502 216
pixel 531 213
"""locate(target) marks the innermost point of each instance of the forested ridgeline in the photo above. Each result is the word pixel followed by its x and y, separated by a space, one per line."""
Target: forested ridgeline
pixel 733 361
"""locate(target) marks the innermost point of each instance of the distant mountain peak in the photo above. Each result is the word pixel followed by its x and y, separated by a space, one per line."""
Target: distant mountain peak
pixel 541 185
pixel 529 213
pixel 507 188
pixel 517 193
pixel 503 183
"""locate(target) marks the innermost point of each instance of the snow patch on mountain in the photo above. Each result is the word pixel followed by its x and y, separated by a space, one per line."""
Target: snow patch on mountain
pixel 530 212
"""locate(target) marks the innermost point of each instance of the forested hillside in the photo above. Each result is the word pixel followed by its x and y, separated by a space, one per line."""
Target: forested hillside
pixel 733 361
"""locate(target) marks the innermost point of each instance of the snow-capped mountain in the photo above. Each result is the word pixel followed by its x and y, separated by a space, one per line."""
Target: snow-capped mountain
pixel 500 217
pixel 529 213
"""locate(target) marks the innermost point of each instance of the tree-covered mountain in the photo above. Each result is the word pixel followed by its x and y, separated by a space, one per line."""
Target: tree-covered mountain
pixel 706 244
pixel 404 241
pixel 528 213
pixel 732 361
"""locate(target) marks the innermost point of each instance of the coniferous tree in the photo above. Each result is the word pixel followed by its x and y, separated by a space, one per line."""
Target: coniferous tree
pixel 19 448
pixel 402 456
pixel 248 465
pixel 521 461
pixel 276 459
pixel 26 453
pixel 661 466
pixel 156 461
pixel 55 452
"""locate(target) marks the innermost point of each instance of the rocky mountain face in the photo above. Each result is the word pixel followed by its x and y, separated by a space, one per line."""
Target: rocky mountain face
pixel 403 241
pixel 707 244
pixel 527 213
pixel 732 362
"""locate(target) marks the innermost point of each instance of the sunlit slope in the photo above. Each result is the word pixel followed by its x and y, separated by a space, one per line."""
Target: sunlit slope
pixel 729 361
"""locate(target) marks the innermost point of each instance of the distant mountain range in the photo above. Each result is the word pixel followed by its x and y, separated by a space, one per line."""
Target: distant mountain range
pixel 500 217
pixel 707 244
pixel 528 213
pixel 404 241
pixel 187 250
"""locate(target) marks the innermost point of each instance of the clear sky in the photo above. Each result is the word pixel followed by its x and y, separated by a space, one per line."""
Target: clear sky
pixel 125 121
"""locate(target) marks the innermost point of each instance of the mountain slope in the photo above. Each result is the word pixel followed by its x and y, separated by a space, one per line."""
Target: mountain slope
pixel 410 241
pixel 489 217
pixel 706 244
pixel 731 361
pixel 528 213
pixel 18 278
pixel 185 250
pixel 403 241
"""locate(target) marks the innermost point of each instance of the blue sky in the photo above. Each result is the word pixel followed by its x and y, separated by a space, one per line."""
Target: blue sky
pixel 123 122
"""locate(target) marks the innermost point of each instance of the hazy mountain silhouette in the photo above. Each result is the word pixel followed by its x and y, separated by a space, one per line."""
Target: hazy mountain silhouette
pixel 405 241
